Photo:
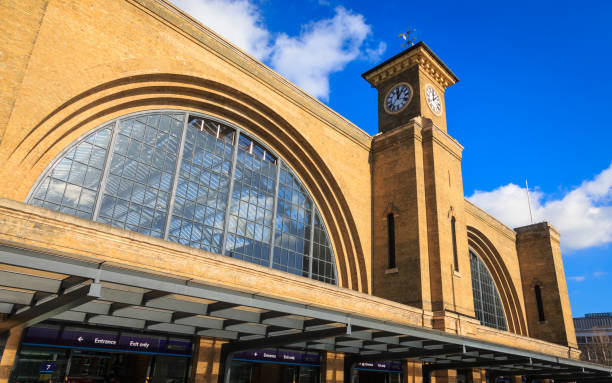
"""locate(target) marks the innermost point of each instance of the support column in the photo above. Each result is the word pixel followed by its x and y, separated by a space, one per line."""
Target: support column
pixel 206 360
pixel 427 374
pixel 332 367
pixel 476 376
pixel 412 372
pixel 9 352
pixel 444 376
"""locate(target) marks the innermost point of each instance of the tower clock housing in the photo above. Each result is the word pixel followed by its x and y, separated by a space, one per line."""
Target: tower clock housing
pixel 411 84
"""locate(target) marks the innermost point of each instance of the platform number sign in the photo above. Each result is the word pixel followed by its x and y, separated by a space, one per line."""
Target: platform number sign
pixel 47 367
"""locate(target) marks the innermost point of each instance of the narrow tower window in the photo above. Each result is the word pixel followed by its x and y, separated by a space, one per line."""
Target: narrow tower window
pixel 538 294
pixel 453 233
pixel 391 238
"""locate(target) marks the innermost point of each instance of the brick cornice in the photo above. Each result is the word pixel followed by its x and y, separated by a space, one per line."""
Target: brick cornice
pixel 491 221
pixel 437 135
pixel 541 229
pixel 417 57
pixel 407 133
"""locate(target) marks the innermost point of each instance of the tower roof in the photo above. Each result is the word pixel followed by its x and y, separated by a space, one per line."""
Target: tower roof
pixel 418 54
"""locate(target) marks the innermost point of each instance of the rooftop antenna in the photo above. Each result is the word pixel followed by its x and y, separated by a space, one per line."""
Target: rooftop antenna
pixel 408 39
pixel 529 201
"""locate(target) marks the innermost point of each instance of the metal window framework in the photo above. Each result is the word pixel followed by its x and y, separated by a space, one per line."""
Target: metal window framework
pixel 237 132
pixel 496 304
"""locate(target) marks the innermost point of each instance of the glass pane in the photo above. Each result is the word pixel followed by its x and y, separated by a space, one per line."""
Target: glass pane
pixel 293 225
pixel 487 304
pixel 323 263
pixel 137 193
pixel 251 206
pixel 71 185
pixel 198 217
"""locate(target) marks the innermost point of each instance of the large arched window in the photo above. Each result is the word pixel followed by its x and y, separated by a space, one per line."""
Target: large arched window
pixel 488 306
pixel 194 180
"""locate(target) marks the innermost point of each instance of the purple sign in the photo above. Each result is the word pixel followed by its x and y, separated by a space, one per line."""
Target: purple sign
pixel 107 340
pixel 139 343
pixel 276 355
pixel 42 334
pixel 84 338
pixel 387 365
pixel 174 346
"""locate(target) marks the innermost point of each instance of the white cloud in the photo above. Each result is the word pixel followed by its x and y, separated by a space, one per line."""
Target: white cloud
pixel 578 278
pixel 583 216
pixel 322 47
pixel 374 54
pixel 238 21
pixel 598 274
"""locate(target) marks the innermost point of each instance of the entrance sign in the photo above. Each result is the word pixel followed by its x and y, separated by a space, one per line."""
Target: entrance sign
pixel 386 365
pixel 280 356
pixel 89 338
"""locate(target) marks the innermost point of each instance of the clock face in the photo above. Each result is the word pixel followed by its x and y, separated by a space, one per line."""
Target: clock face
pixel 398 97
pixel 433 99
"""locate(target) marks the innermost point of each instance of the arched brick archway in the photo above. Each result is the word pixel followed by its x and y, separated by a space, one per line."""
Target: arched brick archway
pixel 121 96
pixel 482 246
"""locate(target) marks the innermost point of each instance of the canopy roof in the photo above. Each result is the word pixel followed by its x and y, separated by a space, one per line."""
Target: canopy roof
pixel 36 286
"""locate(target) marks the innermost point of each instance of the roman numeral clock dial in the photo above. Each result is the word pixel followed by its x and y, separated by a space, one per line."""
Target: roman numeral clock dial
pixel 398 97
pixel 433 99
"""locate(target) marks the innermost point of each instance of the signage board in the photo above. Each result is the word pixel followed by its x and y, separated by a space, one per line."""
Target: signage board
pixel 386 365
pixel 280 356
pixel 91 338
pixel 47 367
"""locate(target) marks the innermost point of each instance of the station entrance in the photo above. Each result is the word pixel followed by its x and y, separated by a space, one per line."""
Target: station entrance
pixel 379 372
pixel 47 364
pixel 59 353
pixel 276 365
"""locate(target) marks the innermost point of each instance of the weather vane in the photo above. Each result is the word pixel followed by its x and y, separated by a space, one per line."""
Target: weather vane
pixel 408 39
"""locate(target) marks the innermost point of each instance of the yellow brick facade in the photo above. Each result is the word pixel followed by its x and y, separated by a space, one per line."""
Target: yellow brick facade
pixel 64 75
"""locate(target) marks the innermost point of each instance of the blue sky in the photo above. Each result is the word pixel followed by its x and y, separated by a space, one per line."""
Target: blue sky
pixel 533 101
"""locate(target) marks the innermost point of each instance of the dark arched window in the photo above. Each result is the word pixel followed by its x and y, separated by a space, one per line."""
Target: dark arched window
pixel 487 304
pixel 391 240
pixel 194 180
pixel 538 295
pixel 454 238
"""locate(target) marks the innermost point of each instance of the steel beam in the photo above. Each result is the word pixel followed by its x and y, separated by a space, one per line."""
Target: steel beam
pixel 418 353
pixel 544 371
pixel 52 307
pixel 585 377
pixel 478 364
pixel 282 340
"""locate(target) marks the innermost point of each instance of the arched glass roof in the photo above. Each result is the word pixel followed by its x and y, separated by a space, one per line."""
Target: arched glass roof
pixel 194 180
pixel 487 304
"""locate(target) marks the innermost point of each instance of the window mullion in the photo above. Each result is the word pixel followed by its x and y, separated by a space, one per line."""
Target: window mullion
pixel 312 229
pixel 230 191
pixel 105 171
pixel 274 209
pixel 177 170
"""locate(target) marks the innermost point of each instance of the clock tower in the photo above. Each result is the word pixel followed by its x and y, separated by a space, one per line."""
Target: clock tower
pixel 420 248
pixel 411 84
